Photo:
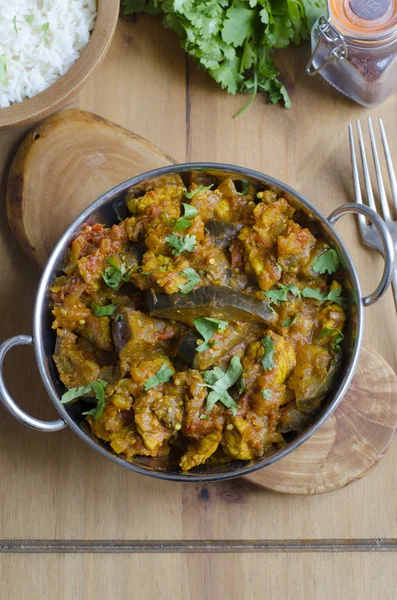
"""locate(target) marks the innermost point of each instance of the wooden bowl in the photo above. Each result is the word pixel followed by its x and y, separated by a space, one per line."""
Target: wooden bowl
pixel 36 108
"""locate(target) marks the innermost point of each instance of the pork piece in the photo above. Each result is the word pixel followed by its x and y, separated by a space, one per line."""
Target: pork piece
pixel 201 450
pixel 294 247
pixel 135 334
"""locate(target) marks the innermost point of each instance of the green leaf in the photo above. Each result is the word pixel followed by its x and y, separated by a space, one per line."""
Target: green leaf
pixel 29 18
pixel 163 375
pixel 190 195
pixel 238 25
pixel 103 311
pixel 245 186
pixel 114 275
pixel 333 296
pixel 206 326
pixel 327 262
pixel 267 361
pixel 290 321
pixel 119 317
pixel 190 211
pixel 219 382
pixel 182 224
pixel 204 417
pixel 266 394
pixel 181 243
pixel 242 386
pixel 3 69
pixel 280 295
pixel 97 387
pixel 14 22
pixel 339 337
pixel 193 279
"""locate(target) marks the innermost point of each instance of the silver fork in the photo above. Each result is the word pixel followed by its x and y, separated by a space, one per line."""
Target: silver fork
pixel 369 234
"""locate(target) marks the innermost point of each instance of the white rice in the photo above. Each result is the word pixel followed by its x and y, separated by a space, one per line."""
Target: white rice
pixel 39 42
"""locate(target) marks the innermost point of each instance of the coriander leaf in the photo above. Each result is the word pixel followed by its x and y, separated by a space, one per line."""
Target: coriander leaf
pixel 290 321
pixel 3 69
pixel 29 18
pixel 280 295
pixel 267 361
pixel 333 296
pixel 114 275
pixel 119 317
pixel 189 211
pixel 182 224
pixel 199 188
pixel 242 386
pixel 204 417
pixel 75 392
pixel 245 186
pixel 276 296
pixel 163 375
pixel 181 243
pixel 327 262
pixel 221 382
pixel 14 22
pixel 206 326
pixel 266 394
pixel 314 293
pixel 193 279
pixel 239 24
pixel 169 222
pixel 103 311
pixel 117 211
pixel 339 337
pixel 98 389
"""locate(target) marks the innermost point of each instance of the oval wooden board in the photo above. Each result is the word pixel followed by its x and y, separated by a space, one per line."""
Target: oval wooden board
pixel 63 165
pixel 73 157
pixel 352 441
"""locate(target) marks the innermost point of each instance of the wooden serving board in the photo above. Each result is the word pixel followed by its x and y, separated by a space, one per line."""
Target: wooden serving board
pixel 73 157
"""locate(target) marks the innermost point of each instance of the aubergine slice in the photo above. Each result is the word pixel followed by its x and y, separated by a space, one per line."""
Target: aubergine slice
pixel 216 301
pixel 222 232
pixel 187 348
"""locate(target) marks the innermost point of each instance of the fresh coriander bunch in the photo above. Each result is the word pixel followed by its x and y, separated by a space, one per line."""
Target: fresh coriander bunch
pixel 234 39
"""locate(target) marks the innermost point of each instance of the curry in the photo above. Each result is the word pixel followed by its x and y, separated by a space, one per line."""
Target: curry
pixel 206 323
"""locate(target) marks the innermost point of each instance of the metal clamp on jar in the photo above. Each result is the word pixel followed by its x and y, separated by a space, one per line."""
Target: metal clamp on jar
pixel 355 49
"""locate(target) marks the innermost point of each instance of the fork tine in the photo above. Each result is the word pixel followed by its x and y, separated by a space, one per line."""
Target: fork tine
pixel 368 185
pixel 390 168
pixel 382 192
pixel 356 179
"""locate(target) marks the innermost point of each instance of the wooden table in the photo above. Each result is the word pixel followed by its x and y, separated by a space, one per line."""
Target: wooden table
pixel 74 525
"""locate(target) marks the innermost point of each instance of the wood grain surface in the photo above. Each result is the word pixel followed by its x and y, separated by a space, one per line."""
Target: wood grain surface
pixel 62 166
pixel 76 156
pixel 54 487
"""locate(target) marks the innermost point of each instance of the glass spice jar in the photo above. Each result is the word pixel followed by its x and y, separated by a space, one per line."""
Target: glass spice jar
pixel 355 49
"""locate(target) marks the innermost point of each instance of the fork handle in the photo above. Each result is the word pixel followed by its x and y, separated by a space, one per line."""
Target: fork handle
pixel 387 242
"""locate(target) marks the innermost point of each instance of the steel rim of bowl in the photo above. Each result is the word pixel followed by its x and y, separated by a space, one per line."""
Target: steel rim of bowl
pixel 42 300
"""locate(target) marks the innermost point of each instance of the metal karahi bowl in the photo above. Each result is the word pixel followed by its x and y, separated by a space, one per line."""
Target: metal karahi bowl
pixel 102 211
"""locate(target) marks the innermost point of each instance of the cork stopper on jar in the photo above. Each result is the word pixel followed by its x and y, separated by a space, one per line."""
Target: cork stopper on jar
pixel 370 20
